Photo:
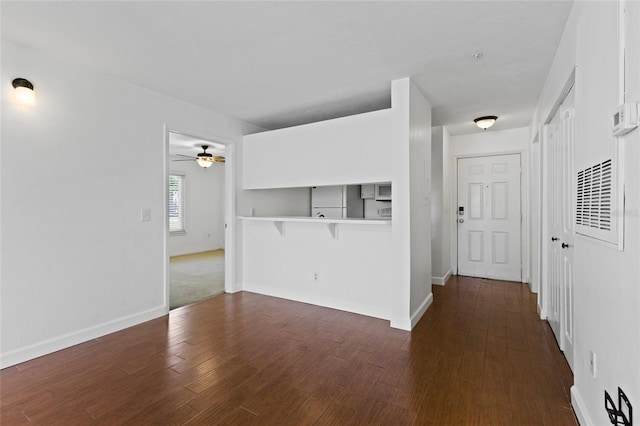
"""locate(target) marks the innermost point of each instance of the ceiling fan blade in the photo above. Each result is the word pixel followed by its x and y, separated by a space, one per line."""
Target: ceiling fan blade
pixel 219 159
pixel 188 159
pixel 186 156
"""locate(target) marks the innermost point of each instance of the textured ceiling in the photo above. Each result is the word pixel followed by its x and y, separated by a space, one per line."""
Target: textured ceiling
pixel 277 64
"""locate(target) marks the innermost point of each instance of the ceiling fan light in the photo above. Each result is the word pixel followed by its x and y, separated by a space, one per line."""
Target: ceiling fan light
pixel 485 122
pixel 204 162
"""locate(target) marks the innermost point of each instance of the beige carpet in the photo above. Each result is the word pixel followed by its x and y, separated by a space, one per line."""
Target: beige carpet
pixel 195 277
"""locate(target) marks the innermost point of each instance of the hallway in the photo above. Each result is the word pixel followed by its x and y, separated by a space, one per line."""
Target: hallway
pixel 480 356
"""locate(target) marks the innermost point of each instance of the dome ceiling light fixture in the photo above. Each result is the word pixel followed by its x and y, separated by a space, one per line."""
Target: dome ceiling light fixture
pixel 485 122
pixel 204 159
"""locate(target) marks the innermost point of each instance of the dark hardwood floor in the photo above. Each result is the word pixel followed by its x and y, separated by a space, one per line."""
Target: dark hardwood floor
pixel 480 356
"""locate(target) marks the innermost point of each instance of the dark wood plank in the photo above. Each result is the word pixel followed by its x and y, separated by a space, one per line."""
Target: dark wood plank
pixel 480 355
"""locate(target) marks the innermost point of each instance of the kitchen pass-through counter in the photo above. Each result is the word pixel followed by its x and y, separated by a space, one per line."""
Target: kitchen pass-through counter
pixel 342 263
pixel 331 223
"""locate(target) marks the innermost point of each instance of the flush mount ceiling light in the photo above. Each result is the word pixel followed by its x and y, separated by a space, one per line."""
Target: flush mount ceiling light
pixel 485 122
pixel 24 91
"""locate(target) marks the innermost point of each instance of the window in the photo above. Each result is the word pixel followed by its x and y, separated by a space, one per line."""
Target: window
pixel 176 203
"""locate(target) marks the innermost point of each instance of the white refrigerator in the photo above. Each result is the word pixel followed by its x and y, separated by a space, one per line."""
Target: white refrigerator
pixel 336 201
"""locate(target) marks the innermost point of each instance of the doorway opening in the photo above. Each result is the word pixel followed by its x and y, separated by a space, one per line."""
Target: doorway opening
pixel 196 219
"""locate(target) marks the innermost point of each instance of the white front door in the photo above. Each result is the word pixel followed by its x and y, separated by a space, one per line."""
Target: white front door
pixel 489 218
pixel 561 203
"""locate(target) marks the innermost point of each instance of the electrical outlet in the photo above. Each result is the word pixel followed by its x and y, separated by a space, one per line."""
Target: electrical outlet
pixel 592 363
pixel 315 276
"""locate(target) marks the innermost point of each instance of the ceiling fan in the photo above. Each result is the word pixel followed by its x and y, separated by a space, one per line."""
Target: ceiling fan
pixel 204 159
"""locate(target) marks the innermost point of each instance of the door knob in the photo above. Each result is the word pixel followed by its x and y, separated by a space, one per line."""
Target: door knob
pixel 554 238
pixel 564 245
pixel 461 220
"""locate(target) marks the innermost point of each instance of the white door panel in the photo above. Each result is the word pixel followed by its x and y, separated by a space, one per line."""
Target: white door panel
pixel 567 214
pixel 489 217
pixel 476 246
pixel 500 248
pixel 553 143
pixel 476 201
pixel 561 205
pixel 500 200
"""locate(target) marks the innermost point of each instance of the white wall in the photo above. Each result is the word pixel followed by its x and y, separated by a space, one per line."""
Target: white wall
pixel 290 200
pixel 606 298
pixel 447 205
pixel 347 150
pixel 275 202
pixel 411 294
pixel 606 291
pixel 276 168
pixel 420 178
pixel 353 271
pixel 389 145
pixel 490 142
pixel 77 262
pixel 562 67
pixel 440 206
pixel 493 143
pixel 261 202
pixel 204 207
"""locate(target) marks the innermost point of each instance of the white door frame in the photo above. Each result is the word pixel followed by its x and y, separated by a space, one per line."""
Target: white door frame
pixel 544 234
pixel 229 208
pixel 524 207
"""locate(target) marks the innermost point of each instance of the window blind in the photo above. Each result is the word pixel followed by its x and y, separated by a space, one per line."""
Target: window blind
pixel 176 203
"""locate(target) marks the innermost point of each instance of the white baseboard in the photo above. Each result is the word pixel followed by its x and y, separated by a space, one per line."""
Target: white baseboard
pixel 543 312
pixel 401 324
pixel 579 408
pixel 55 344
pixel 417 315
pixel 327 302
pixel 233 288
pixel 441 280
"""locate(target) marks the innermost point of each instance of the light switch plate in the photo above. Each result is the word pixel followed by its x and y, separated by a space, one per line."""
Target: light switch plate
pixel 145 215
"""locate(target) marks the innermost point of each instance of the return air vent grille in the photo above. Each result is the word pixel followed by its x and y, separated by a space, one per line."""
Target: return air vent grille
pixel 594 200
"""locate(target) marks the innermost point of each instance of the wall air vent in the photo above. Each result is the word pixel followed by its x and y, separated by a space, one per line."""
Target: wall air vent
pixel 593 207
pixel 596 202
